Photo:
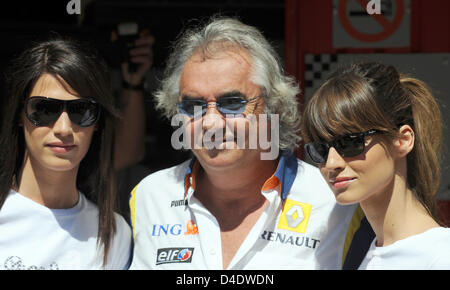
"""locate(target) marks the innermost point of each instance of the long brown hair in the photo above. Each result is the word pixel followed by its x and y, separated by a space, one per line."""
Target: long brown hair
pixel 85 72
pixel 370 95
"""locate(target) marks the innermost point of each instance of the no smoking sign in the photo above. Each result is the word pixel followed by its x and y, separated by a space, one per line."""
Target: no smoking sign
pixel 353 26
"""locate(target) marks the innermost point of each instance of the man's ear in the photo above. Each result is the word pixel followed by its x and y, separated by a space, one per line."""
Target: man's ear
pixel 404 143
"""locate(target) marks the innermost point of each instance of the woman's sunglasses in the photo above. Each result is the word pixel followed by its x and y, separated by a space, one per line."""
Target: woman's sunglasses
pixel 349 145
pixel 226 105
pixel 43 111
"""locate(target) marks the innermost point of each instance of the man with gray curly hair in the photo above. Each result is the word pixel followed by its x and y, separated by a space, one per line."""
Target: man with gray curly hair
pixel 244 201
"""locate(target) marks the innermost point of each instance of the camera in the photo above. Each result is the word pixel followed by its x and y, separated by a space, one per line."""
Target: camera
pixel 127 32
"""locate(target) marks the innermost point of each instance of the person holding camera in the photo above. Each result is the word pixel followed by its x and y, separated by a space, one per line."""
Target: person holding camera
pixel 131 125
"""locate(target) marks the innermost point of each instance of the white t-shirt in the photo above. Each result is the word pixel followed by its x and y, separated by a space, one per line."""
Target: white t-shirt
pixel 33 236
pixel 302 227
pixel 425 251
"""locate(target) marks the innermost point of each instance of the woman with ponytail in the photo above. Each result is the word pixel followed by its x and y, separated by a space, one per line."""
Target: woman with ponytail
pixel 376 137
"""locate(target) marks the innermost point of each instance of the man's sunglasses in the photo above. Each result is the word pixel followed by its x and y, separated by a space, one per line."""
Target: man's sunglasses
pixel 349 145
pixel 43 111
pixel 226 105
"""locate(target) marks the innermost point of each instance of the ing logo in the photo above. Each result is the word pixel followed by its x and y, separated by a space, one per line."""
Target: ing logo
pixel 295 216
pixel 191 228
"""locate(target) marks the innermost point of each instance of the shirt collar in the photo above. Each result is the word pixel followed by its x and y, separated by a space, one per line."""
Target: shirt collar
pixel 284 176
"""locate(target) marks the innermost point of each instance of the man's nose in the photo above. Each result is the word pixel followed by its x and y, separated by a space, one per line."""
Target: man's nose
pixel 212 118
pixel 212 107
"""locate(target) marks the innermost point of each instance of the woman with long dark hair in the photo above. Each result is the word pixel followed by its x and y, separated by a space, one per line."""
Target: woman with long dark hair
pixel 376 136
pixel 57 191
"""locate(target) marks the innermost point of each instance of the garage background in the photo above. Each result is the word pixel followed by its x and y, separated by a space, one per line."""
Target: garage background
pixel 312 37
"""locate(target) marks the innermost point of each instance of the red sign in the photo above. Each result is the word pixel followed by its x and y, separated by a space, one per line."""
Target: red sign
pixel 389 27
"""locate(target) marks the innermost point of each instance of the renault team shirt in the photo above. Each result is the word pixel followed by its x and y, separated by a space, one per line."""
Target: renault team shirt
pixel 302 227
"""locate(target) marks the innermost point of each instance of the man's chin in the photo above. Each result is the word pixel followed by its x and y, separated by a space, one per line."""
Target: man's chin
pixel 218 157
pixel 218 152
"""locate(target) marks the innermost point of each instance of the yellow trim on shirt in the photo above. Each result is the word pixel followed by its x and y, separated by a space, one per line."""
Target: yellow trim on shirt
pixel 354 225
pixel 133 208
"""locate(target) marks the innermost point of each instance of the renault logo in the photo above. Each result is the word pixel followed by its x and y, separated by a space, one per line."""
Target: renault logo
pixel 295 216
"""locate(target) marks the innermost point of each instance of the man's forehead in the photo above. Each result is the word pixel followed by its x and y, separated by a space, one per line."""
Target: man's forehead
pixel 226 71
pixel 237 54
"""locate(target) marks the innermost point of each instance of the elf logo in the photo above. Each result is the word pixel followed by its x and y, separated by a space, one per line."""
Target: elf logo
pixel 174 255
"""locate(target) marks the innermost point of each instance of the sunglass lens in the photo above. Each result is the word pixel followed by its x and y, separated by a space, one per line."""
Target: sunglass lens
pixel 317 151
pixel 192 107
pixel 84 113
pixel 231 105
pixel 43 112
pixel 350 145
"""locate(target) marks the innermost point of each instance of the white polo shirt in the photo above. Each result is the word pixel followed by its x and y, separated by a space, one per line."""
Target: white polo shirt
pixel 302 227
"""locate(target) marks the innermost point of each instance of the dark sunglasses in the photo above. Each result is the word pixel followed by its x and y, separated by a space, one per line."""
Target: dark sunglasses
pixel 349 145
pixel 226 105
pixel 43 111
